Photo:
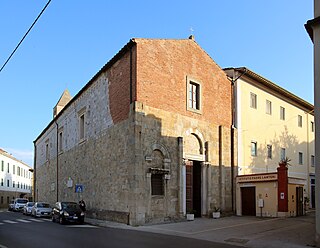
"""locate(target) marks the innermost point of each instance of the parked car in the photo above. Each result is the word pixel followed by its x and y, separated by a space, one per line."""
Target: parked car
pixel 27 208
pixel 64 212
pixel 11 205
pixel 41 209
pixel 19 203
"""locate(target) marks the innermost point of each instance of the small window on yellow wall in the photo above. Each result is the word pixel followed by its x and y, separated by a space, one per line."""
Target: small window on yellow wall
pixel 193 96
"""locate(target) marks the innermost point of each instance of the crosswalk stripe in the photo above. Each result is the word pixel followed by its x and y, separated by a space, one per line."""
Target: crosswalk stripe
pixel 10 221
pixel 24 221
pixel 36 220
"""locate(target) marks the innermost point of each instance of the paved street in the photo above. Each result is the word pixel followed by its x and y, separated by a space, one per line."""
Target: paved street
pixel 17 230
pixel 242 231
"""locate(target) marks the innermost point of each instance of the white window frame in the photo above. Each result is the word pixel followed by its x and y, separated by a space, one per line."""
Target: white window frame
pixel 282 113
pixel 268 107
pixel 253 100
pixel 299 120
pixel 194 95
pixel 254 148
pixel 300 158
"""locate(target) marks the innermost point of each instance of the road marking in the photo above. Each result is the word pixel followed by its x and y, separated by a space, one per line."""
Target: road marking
pixel 24 221
pixel 10 221
pixel 35 220
pixel 82 226
pixel 47 220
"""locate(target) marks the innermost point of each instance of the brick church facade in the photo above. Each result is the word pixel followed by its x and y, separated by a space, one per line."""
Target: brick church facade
pixel 149 137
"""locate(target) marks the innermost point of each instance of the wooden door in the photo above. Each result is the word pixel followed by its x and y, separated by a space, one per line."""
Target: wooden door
pixel 248 201
pixel 189 186
pixel 299 201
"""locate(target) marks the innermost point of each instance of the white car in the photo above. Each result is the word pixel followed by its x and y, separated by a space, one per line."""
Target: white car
pixel 27 208
pixel 19 203
pixel 41 209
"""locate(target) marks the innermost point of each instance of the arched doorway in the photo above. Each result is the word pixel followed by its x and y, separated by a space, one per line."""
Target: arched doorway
pixel 194 158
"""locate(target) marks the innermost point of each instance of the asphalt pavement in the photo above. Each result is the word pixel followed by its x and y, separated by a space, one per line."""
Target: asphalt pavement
pixel 243 231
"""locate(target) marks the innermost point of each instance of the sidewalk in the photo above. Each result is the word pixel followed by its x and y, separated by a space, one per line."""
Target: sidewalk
pixel 241 231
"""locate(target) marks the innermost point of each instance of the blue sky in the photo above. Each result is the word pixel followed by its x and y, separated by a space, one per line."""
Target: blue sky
pixel 73 39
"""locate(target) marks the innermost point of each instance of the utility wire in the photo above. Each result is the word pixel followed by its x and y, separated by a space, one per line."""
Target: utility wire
pixel 25 35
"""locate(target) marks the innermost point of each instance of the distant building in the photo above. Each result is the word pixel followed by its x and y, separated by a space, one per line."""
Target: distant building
pixel 272 124
pixel 147 139
pixel 16 179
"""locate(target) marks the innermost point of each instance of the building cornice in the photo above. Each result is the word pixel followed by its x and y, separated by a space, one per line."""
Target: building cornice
pixel 274 88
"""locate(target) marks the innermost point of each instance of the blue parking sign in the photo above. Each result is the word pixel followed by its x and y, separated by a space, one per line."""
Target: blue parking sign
pixel 79 188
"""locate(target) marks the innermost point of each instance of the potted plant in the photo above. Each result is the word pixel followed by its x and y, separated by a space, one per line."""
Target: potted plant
pixel 216 213
pixel 284 162
pixel 190 215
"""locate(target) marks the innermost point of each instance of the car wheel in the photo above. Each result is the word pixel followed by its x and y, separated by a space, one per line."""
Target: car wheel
pixel 61 221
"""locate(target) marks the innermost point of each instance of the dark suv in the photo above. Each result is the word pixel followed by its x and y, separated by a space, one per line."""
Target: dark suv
pixel 63 212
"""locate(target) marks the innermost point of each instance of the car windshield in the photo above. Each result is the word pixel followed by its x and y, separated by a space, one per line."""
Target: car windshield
pixel 43 205
pixel 70 205
pixel 22 201
pixel 30 204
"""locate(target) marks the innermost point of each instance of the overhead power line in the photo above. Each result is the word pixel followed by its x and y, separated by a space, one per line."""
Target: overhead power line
pixel 25 35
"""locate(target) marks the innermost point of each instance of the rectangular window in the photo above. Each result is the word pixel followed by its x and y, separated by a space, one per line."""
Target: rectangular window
pixel 283 154
pixel 1 181
pixel 81 127
pixel 157 184
pixel 253 100
pixel 2 165
pixel 47 151
pixel 300 158
pixel 269 151
pixel 194 94
pixel 13 184
pixel 13 169
pixel 299 121
pixel 282 113
pixel 8 168
pixel 312 161
pixel 18 170
pixel 60 141
pixel 253 148
pixel 1 199
pixel 312 126
pixel 268 107
pixel 8 183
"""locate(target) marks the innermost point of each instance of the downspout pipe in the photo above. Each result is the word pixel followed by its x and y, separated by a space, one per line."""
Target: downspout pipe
pixel 34 172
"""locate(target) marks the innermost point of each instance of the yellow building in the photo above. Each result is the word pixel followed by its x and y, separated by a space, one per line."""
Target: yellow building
pixel 273 124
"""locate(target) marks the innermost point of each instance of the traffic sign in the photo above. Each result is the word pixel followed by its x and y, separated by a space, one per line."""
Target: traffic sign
pixel 79 188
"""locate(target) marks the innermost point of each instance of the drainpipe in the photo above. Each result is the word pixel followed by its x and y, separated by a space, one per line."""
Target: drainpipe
pixel 57 183
pixel 34 171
